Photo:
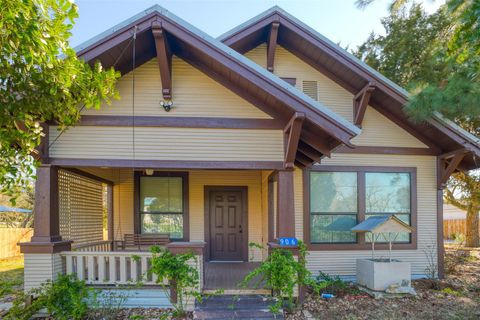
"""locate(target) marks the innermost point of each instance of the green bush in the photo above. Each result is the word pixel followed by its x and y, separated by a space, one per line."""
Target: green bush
pixel 182 278
pixel 325 283
pixel 280 272
pixel 66 298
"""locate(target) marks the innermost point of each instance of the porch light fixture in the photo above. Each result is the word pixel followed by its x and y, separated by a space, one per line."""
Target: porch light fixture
pixel 167 105
pixel 149 172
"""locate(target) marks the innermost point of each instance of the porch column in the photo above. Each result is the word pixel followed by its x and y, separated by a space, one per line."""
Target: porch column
pixel 285 204
pixel 42 258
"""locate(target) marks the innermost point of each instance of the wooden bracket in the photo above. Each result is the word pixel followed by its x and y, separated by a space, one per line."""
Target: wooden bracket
pixel 293 130
pixel 448 163
pixel 164 57
pixel 360 103
pixel 316 143
pixel 271 45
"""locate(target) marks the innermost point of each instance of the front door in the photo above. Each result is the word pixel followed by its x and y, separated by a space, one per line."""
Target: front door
pixel 227 224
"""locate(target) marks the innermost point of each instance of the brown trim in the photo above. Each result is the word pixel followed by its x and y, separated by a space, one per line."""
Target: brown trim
pixel 360 103
pixel 167 164
pixel 361 244
pixel 88 175
pixel 206 193
pixel 285 204
pixel 386 150
pixel 45 247
pixel 271 206
pixel 179 122
pixel 293 130
pixel 43 147
pixel 164 58
pixel 447 168
pixel 440 241
pixel 197 248
pixel 185 187
pixel 271 45
pixel 290 81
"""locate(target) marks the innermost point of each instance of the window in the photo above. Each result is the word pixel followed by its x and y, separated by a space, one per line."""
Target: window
pixel 340 198
pixel 388 193
pixel 334 206
pixel 162 200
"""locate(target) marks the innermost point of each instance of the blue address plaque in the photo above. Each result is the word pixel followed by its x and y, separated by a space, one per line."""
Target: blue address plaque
pixel 288 242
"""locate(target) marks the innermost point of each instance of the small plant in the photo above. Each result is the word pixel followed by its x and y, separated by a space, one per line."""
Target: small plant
pixel 66 298
pixel 451 292
pixel 431 270
pixel 182 278
pixel 325 283
pixel 280 272
pixel 107 304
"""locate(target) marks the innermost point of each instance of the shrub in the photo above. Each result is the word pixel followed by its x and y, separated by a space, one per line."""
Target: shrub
pixel 280 272
pixel 181 277
pixel 325 283
pixel 66 298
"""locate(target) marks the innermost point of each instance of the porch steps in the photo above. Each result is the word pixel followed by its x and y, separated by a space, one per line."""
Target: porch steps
pixel 235 307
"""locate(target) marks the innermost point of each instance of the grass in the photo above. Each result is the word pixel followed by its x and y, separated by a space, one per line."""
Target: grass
pixel 11 275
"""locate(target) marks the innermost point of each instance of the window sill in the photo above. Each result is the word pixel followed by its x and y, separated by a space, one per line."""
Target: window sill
pixel 358 246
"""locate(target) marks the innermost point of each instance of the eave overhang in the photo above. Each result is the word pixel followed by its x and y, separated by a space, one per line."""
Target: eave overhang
pixel 439 134
pixel 223 64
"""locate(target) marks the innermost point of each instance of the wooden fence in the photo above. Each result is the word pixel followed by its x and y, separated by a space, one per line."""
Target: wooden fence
pixel 456 226
pixel 9 237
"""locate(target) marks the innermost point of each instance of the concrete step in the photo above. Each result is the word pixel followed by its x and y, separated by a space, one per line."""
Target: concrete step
pixel 235 307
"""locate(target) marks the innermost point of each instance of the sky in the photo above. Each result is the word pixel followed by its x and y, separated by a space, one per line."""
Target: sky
pixel 339 20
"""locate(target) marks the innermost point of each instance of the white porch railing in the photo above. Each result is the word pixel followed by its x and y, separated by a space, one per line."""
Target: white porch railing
pixel 107 268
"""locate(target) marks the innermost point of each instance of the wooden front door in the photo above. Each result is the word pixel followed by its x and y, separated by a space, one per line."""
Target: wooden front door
pixel 227 224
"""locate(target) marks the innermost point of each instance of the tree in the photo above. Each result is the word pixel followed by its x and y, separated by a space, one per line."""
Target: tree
pixel 437 58
pixel 41 79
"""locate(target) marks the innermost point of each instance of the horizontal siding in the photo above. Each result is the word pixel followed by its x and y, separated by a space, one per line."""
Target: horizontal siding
pixel 298 193
pixel 193 94
pixel 164 143
pixel 40 268
pixel 343 262
pixel 377 130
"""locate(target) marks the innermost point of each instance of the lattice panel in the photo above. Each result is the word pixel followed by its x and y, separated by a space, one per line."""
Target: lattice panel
pixel 81 208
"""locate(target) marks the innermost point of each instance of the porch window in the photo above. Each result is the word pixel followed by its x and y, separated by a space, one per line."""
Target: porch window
pixel 161 201
pixel 342 197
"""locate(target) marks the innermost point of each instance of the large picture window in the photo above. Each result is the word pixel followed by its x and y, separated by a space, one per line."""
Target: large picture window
pixel 340 198
pixel 161 201
pixel 334 206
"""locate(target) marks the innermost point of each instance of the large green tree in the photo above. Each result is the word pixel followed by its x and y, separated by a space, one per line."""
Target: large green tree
pixel 41 79
pixel 437 58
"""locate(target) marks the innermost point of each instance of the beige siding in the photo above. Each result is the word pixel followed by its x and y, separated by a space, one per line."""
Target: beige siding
pixel 89 142
pixel 343 262
pixel 298 193
pixel 194 95
pixel 40 267
pixel 376 129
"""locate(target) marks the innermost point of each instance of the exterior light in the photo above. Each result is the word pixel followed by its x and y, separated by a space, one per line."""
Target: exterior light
pixel 149 172
pixel 167 105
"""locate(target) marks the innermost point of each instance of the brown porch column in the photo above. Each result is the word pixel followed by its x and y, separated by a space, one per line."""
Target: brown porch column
pixel 285 204
pixel 46 235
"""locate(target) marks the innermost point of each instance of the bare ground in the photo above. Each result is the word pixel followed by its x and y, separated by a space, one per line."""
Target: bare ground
pixel 455 297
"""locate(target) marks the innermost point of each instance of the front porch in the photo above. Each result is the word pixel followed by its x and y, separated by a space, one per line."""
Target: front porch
pixel 82 229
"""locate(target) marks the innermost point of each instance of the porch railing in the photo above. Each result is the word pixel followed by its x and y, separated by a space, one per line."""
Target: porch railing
pixel 105 245
pixel 108 268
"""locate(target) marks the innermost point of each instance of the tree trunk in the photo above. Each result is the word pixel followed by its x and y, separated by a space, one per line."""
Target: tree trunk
pixel 472 236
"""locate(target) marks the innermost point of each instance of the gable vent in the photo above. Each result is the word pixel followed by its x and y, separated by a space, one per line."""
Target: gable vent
pixel 310 89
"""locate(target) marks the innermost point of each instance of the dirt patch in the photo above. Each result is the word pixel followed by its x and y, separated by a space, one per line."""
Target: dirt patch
pixel 455 297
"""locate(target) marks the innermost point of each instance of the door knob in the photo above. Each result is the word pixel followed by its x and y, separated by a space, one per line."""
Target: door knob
pixel 240 231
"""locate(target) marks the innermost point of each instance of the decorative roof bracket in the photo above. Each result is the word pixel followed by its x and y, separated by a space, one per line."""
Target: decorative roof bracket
pixel 292 131
pixel 360 103
pixel 271 45
pixel 164 57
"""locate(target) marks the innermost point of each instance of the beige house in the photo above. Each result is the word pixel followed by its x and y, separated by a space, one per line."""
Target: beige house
pixel 270 131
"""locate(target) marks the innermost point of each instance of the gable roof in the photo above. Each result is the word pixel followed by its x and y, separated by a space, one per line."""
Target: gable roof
pixel 440 134
pixel 223 64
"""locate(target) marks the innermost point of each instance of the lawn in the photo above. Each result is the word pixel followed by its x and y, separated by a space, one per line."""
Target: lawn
pixel 11 276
